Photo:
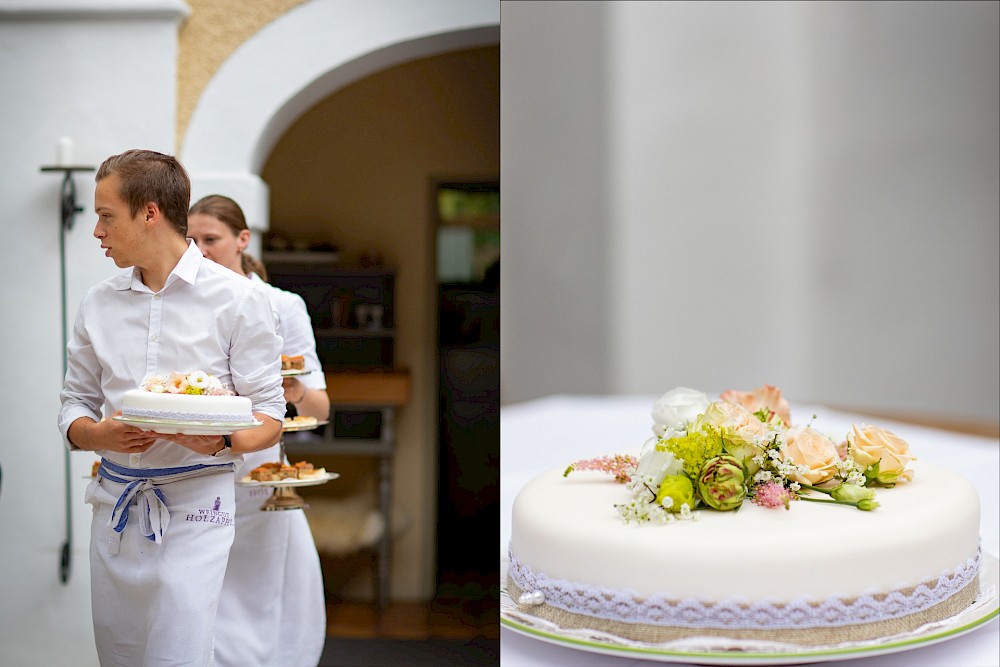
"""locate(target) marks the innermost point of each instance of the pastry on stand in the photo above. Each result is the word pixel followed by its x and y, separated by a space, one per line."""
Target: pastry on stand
pixel 286 478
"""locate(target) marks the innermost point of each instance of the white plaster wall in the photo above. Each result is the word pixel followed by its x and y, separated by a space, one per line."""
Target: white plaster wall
pixel 93 71
pixel 555 319
pixel 710 133
pixel 797 193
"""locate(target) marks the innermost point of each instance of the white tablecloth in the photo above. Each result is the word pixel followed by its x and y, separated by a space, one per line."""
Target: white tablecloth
pixel 558 430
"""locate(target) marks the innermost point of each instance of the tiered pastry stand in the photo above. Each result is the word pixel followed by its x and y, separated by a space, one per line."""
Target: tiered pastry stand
pixel 285 497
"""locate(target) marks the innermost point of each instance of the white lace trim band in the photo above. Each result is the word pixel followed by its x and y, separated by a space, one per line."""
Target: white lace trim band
pixel 626 606
pixel 170 415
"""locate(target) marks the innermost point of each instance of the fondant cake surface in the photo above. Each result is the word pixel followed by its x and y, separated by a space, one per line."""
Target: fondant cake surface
pixel 194 396
pixel 733 522
pixel 567 528
pixel 140 404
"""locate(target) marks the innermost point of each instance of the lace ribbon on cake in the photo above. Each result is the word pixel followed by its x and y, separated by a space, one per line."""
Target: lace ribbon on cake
pixel 626 606
pixel 170 415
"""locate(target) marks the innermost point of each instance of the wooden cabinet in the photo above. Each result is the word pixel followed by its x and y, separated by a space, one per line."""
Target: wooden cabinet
pixel 352 309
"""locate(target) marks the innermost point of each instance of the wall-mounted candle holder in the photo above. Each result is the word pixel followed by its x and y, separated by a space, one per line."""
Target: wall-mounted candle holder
pixel 68 209
pixel 67 199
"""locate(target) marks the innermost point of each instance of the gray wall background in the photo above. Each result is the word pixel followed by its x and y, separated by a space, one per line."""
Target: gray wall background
pixel 721 195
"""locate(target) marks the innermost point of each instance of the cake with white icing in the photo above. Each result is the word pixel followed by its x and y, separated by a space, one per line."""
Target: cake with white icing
pixel 186 397
pixel 768 544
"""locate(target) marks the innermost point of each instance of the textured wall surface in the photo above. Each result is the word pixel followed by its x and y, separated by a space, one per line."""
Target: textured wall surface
pixel 213 31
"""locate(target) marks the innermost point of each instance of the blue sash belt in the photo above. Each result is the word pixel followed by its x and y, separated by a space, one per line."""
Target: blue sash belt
pixel 141 489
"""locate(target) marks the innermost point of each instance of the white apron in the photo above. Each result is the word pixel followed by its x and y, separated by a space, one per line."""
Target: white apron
pixel 273 610
pixel 157 562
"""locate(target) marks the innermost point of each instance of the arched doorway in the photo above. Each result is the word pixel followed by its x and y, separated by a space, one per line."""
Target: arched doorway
pixel 276 77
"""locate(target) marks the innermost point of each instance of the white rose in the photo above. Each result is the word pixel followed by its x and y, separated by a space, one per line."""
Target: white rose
pixel 655 465
pixel 676 409
pixel 198 379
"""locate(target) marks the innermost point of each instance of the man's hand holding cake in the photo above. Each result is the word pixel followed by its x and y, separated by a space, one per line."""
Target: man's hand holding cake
pixel 111 435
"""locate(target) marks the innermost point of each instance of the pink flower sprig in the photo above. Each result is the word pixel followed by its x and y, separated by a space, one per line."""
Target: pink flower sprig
pixel 771 494
pixel 620 466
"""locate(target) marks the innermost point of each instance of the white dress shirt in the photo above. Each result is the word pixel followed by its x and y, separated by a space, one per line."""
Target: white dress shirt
pixel 295 329
pixel 289 629
pixel 205 318
pixel 296 332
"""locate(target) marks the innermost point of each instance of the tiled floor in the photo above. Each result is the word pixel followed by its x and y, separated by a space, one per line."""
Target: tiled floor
pixel 413 620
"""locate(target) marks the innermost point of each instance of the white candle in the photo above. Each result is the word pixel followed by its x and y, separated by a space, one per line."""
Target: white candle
pixel 65 152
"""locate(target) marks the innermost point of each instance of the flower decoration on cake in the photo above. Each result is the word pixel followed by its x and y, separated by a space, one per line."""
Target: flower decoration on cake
pixel 198 383
pixel 716 455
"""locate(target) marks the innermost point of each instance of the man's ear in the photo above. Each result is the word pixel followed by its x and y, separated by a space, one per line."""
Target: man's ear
pixel 151 212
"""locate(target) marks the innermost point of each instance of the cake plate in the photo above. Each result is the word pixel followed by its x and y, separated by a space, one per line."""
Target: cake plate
pixel 293 427
pixel 170 427
pixel 722 651
pixel 284 496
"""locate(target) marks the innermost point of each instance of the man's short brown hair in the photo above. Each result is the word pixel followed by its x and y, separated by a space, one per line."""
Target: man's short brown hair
pixel 150 176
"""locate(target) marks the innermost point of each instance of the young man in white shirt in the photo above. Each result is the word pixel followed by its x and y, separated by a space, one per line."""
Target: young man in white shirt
pixel 156 577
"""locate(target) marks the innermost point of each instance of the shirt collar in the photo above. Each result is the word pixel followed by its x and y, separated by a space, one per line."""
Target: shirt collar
pixel 186 270
pixel 188 265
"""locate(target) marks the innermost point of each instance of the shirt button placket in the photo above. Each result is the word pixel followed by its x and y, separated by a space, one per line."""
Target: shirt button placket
pixel 155 322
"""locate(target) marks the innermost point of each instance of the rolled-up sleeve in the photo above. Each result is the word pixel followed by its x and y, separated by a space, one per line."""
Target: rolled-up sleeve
pixel 81 395
pixel 255 356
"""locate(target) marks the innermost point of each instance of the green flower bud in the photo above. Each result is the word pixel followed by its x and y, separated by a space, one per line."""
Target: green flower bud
pixel 679 490
pixel 872 473
pixel 888 479
pixel 851 493
pixel 721 483
pixel 867 505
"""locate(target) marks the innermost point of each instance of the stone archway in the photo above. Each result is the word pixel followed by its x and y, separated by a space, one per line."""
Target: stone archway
pixel 265 86
pixel 297 60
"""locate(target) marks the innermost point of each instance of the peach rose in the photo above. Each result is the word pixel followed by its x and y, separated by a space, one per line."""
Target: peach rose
pixel 177 384
pixel 761 398
pixel 806 447
pixel 742 431
pixel 735 419
pixel 869 445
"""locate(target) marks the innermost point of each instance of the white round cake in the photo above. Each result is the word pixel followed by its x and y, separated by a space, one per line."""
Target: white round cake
pixel 139 404
pixel 194 396
pixel 821 570
pixel 808 573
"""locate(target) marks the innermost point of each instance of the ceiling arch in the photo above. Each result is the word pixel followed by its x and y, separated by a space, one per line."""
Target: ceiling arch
pixel 297 60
